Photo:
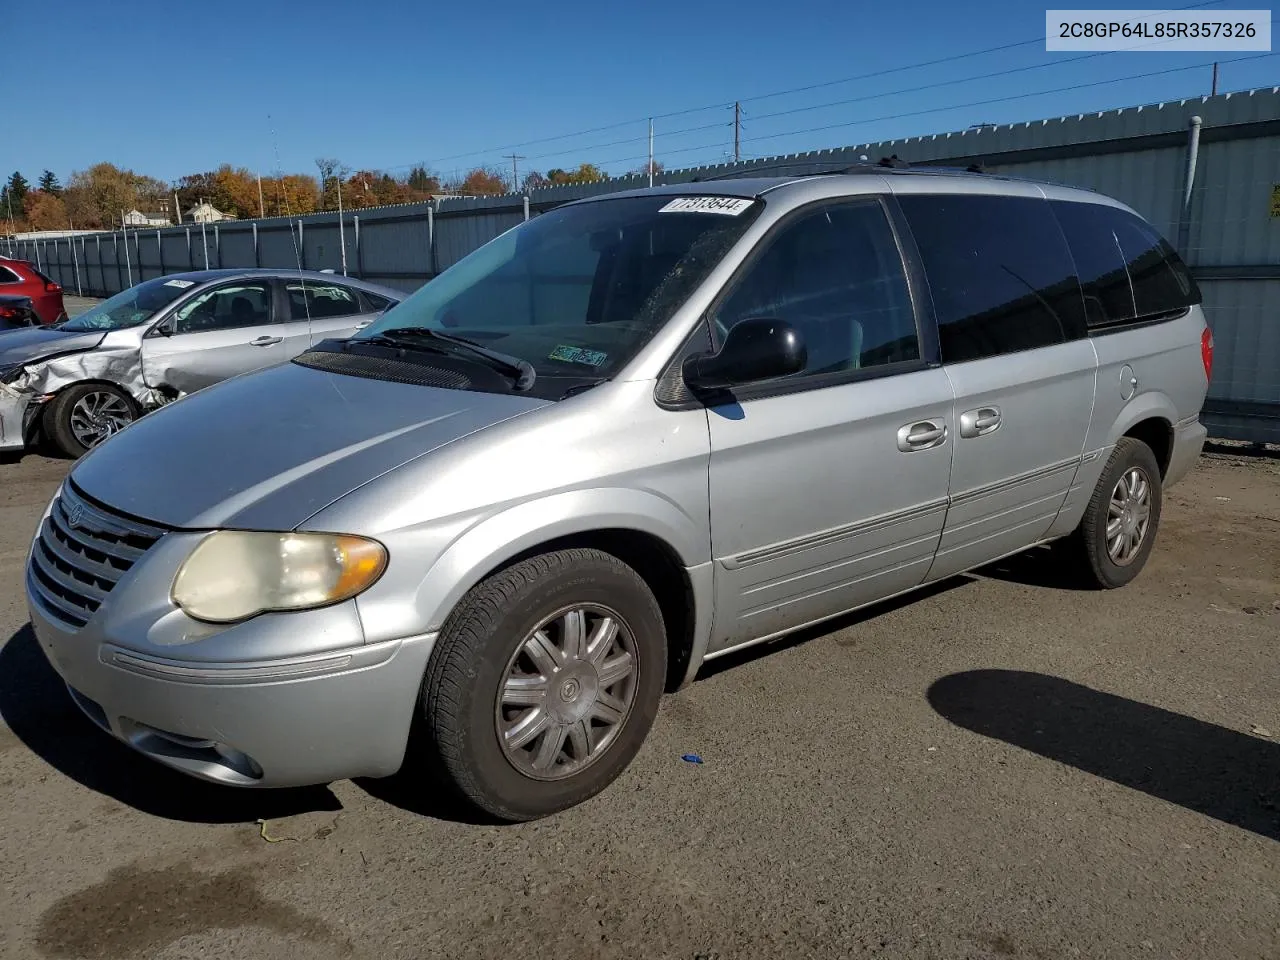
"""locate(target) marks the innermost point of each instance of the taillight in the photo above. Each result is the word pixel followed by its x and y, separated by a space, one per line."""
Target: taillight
pixel 8 313
pixel 51 287
pixel 1206 352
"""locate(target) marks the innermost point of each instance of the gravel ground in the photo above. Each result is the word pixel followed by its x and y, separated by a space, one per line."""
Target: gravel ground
pixel 1005 766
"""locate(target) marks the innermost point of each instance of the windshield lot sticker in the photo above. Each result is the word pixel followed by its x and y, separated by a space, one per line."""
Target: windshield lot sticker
pixel 729 206
pixel 592 358
pixel 180 284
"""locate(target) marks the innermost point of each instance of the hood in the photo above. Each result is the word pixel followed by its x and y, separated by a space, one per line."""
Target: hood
pixel 267 450
pixel 36 343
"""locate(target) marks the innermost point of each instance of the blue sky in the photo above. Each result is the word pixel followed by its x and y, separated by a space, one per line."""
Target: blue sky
pixel 169 89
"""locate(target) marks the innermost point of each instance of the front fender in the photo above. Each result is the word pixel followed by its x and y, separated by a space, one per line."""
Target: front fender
pixel 477 549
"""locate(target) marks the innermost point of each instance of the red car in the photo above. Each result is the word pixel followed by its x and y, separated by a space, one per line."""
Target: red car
pixel 19 278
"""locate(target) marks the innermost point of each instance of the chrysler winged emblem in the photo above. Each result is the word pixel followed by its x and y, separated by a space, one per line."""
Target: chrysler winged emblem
pixel 75 515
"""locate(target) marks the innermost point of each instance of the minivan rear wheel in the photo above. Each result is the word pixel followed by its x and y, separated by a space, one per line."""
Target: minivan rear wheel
pixel 1118 531
pixel 544 682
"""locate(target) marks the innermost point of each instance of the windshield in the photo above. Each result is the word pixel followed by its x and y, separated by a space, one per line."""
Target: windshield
pixel 576 292
pixel 131 307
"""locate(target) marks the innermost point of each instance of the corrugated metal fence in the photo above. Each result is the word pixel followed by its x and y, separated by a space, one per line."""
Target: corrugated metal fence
pixel 1225 219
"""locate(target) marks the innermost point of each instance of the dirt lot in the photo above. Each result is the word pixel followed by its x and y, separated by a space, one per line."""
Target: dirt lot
pixel 1007 767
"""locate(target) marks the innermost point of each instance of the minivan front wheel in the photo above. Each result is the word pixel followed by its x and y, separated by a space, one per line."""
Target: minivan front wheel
pixel 1119 526
pixel 545 681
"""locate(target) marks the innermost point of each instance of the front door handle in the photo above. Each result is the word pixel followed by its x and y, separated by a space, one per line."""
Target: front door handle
pixel 363 323
pixel 922 435
pixel 979 422
pixel 265 341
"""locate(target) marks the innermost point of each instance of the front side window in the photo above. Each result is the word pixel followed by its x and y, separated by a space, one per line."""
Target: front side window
pixel 226 308
pixel 836 275
pixel 577 291
pixel 309 299
pixel 132 307
pixel 1127 271
pixel 999 271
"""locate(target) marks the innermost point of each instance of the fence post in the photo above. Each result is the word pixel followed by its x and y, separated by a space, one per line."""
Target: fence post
pixel 1184 221
pixel 191 254
pixel 526 207
pixel 257 259
pixel 217 246
pixel 38 244
pixel 71 242
pixel 160 251
pixel 431 239
pixel 128 262
pixel 102 271
pixel 302 249
pixel 355 223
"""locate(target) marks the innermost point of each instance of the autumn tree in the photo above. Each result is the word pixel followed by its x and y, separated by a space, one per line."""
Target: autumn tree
pixel 535 181
pixel 332 172
pixel 45 211
pixel 644 170
pixel 98 196
pixel 49 183
pixel 290 194
pixel 585 173
pixel 482 182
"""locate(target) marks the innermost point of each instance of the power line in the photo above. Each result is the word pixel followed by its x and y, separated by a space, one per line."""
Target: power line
pixel 958 106
pixel 766 96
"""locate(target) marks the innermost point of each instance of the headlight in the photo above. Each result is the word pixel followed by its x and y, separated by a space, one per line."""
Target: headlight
pixel 233 575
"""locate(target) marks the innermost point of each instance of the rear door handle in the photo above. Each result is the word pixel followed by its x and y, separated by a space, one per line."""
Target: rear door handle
pixel 979 422
pixel 265 341
pixel 922 435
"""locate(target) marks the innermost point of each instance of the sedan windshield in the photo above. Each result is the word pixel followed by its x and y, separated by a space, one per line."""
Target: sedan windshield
pixel 576 292
pixel 131 307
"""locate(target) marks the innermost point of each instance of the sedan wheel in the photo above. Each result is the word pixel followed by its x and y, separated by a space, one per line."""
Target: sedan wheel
pixel 99 415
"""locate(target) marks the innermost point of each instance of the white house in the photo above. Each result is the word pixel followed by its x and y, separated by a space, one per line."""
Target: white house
pixel 135 218
pixel 205 212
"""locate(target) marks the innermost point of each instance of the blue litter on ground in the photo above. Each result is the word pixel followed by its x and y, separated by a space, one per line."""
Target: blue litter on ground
pixel 691 758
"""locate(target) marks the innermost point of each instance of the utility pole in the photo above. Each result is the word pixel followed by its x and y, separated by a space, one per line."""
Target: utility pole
pixel 651 151
pixel 737 131
pixel 515 172
pixel 176 208
pixel 342 230
pixel 1214 92
pixel 262 207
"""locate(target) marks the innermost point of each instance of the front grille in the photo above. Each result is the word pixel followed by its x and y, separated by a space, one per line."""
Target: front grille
pixel 84 548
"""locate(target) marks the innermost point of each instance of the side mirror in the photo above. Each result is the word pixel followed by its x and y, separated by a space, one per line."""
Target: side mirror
pixel 164 329
pixel 754 350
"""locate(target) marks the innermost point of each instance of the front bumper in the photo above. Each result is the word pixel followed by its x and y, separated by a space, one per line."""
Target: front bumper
pixel 14 410
pixel 324 716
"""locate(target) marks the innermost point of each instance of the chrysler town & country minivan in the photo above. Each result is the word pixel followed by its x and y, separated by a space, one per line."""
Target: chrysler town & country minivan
pixel 628 436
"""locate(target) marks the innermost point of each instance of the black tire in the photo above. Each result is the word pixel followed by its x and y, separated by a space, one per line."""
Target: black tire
pixel 57 416
pixel 1089 542
pixel 460 694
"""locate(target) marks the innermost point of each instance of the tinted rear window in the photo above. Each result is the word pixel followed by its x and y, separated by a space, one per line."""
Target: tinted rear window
pixel 999 271
pixel 8 276
pixel 1128 272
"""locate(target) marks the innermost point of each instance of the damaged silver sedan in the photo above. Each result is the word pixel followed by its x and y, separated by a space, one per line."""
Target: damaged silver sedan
pixel 81 381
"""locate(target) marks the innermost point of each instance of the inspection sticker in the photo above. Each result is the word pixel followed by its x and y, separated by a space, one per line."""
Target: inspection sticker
pixel 180 284
pixel 566 354
pixel 729 206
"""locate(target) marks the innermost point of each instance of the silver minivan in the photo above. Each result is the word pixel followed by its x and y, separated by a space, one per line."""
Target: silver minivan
pixel 633 434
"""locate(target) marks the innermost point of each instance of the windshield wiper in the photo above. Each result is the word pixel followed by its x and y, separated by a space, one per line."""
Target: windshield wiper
pixel 521 372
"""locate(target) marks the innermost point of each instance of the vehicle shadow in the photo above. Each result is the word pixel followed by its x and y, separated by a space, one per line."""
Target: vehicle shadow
pixel 1223 774
pixel 35 705
pixel 1050 566
pixel 834 625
